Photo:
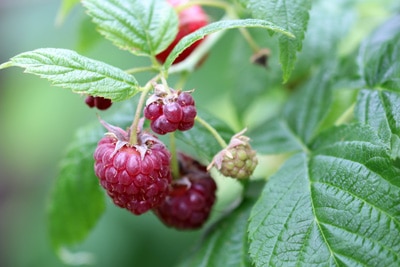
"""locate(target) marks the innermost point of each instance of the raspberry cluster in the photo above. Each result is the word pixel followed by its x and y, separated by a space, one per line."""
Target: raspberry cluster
pixel 135 177
pixel 170 111
pixel 99 102
pixel 191 197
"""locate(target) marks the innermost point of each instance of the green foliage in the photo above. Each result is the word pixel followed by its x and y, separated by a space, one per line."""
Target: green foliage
pixel 77 202
pixel 379 54
pixel 292 16
pixel 219 26
pixel 225 243
pixel 198 136
pixel 142 27
pixel 66 68
pixel 335 200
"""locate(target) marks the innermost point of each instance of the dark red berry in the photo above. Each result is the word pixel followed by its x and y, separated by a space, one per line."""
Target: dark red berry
pixel 99 102
pixel 161 125
pixel 185 99
pixel 170 111
pixel 189 114
pixel 189 202
pixel 135 177
pixel 173 112
pixel 190 199
pixel 190 20
pixel 153 111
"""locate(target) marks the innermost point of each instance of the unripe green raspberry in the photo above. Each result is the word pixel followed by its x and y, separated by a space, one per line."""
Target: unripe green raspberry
pixel 238 160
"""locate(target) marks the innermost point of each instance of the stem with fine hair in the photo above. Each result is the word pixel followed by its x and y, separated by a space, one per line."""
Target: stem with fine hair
pixel 133 138
pixel 212 130
pixel 174 156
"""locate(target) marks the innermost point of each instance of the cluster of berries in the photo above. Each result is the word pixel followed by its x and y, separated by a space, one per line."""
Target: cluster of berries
pixel 138 176
pixel 170 110
pixel 190 20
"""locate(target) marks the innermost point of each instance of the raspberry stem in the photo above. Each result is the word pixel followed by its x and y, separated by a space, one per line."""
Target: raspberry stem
pixel 174 158
pixel 140 69
pixel 139 109
pixel 230 11
pixel 212 130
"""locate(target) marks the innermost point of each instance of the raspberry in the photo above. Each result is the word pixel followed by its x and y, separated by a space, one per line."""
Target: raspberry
pixel 170 111
pixel 238 160
pixel 189 202
pixel 135 177
pixel 99 102
pixel 190 20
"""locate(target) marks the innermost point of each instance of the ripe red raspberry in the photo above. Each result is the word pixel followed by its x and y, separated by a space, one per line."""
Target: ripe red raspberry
pixel 99 102
pixel 190 199
pixel 170 111
pixel 190 20
pixel 135 177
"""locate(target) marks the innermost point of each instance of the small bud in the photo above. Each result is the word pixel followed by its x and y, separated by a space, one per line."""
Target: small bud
pixel 238 159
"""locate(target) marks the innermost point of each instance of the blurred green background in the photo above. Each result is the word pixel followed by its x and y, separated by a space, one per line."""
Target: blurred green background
pixel 38 122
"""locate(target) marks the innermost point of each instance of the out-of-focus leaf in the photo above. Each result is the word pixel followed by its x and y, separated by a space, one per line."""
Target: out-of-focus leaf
pixel 379 56
pixel 77 201
pixel 226 242
pixel 201 140
pixel 188 40
pixel 273 137
pixel 291 15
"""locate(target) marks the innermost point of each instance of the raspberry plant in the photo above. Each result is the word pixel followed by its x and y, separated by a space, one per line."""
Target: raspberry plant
pixel 320 101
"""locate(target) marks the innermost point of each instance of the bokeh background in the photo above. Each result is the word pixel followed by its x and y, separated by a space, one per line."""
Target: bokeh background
pixel 37 122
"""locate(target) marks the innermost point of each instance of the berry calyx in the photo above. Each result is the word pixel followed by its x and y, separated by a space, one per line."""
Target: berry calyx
pixel 136 177
pixel 190 20
pixel 99 102
pixel 170 110
pixel 190 199
pixel 238 159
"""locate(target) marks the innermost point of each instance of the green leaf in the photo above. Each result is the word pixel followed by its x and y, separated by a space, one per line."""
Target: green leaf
pixel 142 27
pixel 339 206
pixel 379 56
pixel 77 201
pixel 325 33
pixel 309 105
pixel 381 110
pixel 255 83
pixel 290 15
pixel 274 137
pixel 188 40
pixel 87 35
pixel 301 117
pixel 66 68
pixel 226 242
pixel 201 140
